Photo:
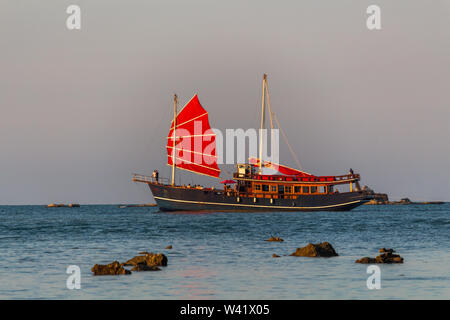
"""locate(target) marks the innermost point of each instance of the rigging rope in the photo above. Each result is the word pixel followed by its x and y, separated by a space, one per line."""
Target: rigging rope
pixel 287 142
pixel 272 115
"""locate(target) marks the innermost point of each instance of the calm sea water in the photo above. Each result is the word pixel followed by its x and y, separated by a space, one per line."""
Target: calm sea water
pixel 223 255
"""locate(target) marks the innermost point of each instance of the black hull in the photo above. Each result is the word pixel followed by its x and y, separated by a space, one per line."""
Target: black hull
pixel 171 198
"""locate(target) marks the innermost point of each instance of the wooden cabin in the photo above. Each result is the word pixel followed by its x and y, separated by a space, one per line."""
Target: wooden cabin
pixel 252 184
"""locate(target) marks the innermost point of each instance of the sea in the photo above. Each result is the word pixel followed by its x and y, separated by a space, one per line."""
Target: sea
pixel 223 255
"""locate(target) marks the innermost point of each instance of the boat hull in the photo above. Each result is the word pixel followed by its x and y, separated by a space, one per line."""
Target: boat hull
pixel 171 198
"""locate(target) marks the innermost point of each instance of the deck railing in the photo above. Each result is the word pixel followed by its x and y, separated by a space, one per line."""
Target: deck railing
pixel 148 179
pixel 324 179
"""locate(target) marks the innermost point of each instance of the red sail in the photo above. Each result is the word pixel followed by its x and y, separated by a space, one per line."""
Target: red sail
pixel 195 142
pixel 281 168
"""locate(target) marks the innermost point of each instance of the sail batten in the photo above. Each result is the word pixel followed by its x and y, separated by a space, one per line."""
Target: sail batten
pixel 195 152
pixel 195 141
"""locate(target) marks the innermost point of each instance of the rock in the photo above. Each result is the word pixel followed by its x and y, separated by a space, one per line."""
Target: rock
pixel 323 249
pixel 135 261
pixel 144 267
pixel 275 255
pixel 169 247
pixel 389 258
pixel 55 205
pixel 61 205
pixel 382 250
pixel 113 268
pixel 156 259
pixel 386 256
pixel 378 198
pixel 140 205
pixel 366 260
pixel 274 239
pixel 149 259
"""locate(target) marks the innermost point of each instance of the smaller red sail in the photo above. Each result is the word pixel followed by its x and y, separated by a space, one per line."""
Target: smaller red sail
pixel 195 141
pixel 280 168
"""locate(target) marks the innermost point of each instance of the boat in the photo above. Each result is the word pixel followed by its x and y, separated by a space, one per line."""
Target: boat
pixel 287 189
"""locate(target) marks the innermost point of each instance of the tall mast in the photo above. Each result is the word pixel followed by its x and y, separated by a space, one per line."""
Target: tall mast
pixel 262 124
pixel 175 101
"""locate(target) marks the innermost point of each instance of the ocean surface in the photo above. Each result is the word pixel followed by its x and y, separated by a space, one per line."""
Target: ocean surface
pixel 223 255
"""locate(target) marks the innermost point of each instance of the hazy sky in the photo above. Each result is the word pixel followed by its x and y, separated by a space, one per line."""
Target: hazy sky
pixel 82 110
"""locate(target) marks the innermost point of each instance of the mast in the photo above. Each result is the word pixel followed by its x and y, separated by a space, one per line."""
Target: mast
pixel 175 101
pixel 262 123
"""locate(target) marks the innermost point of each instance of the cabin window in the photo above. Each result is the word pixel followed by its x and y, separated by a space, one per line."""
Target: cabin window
pixel 265 187
pixel 257 187
pixel 297 189
pixel 273 188
pixel 313 189
pixel 305 189
pixel 288 189
pixel 322 189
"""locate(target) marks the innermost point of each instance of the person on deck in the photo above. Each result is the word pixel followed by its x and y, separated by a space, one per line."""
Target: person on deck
pixel 156 175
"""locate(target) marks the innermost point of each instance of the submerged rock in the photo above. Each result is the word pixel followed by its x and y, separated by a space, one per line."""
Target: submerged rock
pixel 114 268
pixel 386 256
pixel 148 259
pixel 169 247
pixel 274 239
pixel 323 249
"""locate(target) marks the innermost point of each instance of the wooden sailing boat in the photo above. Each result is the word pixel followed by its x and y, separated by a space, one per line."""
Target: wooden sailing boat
pixel 288 190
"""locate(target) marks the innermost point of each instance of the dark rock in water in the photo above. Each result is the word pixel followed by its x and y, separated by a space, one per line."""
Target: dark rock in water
pixel 113 268
pixel 169 247
pixel 149 259
pixel 61 205
pixel 144 267
pixel 274 239
pixel 156 259
pixel 323 249
pixel 275 255
pixel 386 256
pixel 366 260
pixel 377 198
pixel 135 261
pixel 389 258
pixel 139 205
pixel 56 205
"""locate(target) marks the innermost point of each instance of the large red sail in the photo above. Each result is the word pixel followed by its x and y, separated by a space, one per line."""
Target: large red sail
pixel 195 142
pixel 280 168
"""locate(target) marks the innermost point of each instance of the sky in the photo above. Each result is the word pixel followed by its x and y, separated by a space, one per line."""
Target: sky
pixel 81 110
